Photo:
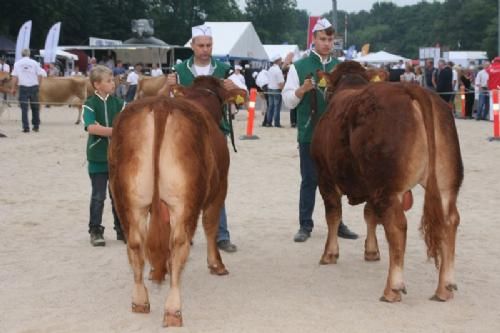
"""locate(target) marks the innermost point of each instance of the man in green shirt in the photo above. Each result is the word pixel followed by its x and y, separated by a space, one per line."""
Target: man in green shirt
pixel 297 94
pixel 202 63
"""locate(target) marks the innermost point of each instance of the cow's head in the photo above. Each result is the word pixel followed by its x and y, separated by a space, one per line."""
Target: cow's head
pixel 345 75
pixel 211 87
pixel 210 92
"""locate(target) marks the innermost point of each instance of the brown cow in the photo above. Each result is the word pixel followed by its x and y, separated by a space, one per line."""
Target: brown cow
pixel 58 91
pixel 376 142
pixel 168 158
pixel 150 86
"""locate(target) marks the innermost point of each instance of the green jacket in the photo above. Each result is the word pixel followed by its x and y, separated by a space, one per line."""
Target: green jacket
pixel 186 74
pixel 100 111
pixel 305 67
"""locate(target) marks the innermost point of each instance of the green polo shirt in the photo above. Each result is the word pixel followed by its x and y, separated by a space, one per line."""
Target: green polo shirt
pixel 98 110
pixel 187 73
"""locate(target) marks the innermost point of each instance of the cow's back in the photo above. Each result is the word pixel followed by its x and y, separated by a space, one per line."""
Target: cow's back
pixel 193 154
pixel 364 141
pixel 59 90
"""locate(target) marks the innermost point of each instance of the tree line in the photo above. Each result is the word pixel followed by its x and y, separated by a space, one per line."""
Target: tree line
pixel 453 24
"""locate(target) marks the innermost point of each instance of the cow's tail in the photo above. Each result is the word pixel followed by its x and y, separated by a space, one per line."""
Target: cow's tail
pixel 159 225
pixel 432 225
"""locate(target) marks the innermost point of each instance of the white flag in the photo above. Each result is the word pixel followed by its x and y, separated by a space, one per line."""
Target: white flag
pixel 23 39
pixel 51 43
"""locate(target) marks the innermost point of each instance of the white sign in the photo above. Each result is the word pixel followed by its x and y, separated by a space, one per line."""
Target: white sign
pixel 93 41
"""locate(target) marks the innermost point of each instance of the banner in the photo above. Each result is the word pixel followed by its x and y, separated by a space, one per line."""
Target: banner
pixel 93 41
pixel 51 43
pixel 310 26
pixel 23 39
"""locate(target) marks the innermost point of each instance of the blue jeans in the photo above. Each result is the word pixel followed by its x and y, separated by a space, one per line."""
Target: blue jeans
pixel 131 93
pixel 29 95
pixel 483 109
pixel 99 185
pixel 308 187
pixel 274 107
pixel 223 233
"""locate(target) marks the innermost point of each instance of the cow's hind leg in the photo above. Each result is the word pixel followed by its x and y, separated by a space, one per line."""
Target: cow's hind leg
pixel 447 284
pixel 333 213
pixel 395 225
pixel 371 245
pixel 136 237
pixel 211 216
pixel 182 223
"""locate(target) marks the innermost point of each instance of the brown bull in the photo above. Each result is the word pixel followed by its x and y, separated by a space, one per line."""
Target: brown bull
pixel 169 159
pixel 150 86
pixel 376 142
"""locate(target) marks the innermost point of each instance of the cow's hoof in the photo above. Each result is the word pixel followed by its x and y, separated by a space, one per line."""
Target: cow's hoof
pixel 372 256
pixel 392 296
pixel 77 122
pixel 172 319
pixel 329 258
pixel 141 308
pixel 218 270
pixel 445 294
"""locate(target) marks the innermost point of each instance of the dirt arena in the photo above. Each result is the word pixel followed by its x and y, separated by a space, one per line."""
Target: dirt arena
pixel 53 280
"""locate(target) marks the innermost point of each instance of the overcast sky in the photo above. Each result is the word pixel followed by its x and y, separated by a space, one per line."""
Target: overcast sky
pixel 318 7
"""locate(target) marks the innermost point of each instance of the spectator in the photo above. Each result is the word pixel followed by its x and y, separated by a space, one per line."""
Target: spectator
pixel 408 76
pixel 262 82
pixel 132 82
pixel 419 77
pixel 466 80
pixel 156 71
pixel 28 73
pixel 444 85
pixel 430 74
pixel 483 107
pixel 276 83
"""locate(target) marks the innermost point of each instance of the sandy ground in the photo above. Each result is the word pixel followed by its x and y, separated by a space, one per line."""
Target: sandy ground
pixel 52 280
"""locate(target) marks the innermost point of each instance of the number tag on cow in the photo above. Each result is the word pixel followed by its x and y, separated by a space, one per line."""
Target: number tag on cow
pixel 322 83
pixel 239 100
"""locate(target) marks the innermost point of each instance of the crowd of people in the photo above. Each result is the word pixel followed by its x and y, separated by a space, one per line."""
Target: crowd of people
pixel 448 80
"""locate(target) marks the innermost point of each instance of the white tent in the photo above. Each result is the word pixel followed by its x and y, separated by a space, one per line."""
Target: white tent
pixel 283 50
pixel 380 57
pixel 237 40
pixel 63 54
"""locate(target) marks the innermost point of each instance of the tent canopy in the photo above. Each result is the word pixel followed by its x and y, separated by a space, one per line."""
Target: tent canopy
pixel 380 57
pixel 6 44
pixel 63 54
pixel 236 40
pixel 283 50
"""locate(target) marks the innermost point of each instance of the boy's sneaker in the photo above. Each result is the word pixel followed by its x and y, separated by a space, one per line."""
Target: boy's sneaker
pixel 96 239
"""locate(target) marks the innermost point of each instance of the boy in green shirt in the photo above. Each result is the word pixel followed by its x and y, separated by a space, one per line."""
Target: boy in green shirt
pixel 99 112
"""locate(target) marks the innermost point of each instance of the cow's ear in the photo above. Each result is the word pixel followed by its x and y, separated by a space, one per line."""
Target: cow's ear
pixel 178 90
pixel 236 96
